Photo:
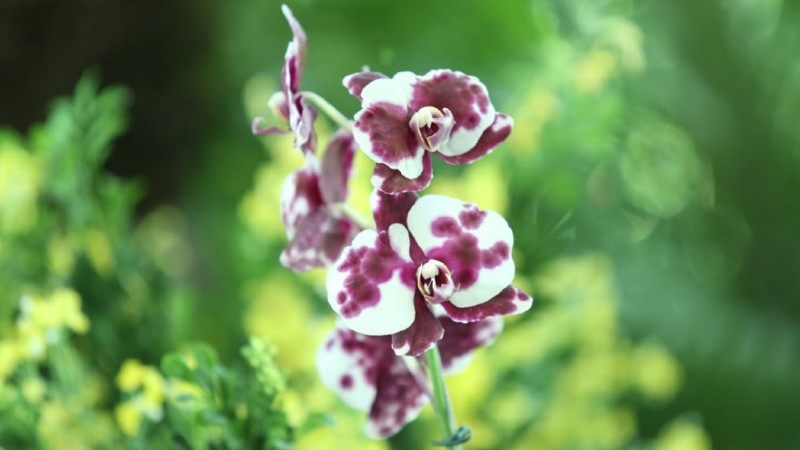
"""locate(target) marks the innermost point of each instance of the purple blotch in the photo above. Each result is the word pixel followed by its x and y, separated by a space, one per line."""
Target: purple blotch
pixel 346 381
pixel 471 217
pixel 445 227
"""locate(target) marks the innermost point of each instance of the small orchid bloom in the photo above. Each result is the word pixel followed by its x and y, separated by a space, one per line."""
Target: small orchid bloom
pixel 405 118
pixel 316 227
pixel 367 375
pixel 289 104
pixel 430 250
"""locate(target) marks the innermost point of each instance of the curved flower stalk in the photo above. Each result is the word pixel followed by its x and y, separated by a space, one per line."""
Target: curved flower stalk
pixel 289 104
pixel 430 250
pixel 405 118
pixel 366 374
pixel 316 226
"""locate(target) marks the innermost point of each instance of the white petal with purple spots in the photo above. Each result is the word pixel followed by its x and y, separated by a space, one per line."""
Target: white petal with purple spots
pixel 347 366
pixel 396 90
pixel 369 285
pixel 474 244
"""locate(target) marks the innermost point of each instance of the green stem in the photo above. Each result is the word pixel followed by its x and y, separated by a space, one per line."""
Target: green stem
pixel 442 406
pixel 330 110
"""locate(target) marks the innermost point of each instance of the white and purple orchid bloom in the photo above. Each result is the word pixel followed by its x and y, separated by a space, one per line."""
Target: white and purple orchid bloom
pixel 430 250
pixel 367 375
pixel 288 104
pixel 405 118
pixel 316 226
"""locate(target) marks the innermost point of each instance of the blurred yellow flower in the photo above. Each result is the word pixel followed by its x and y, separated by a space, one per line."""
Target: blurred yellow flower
pixel 683 434
pixel 99 251
pixel 483 184
pixel 20 180
pixel 594 70
pixel 655 371
pixel 146 391
pixel 538 106
pixel 129 418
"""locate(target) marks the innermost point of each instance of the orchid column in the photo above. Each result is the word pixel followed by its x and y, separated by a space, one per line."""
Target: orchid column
pixel 434 274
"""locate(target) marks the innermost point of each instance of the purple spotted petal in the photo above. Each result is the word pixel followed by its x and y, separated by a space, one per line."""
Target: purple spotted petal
pixel 337 165
pixel 475 245
pixel 305 138
pixel 300 197
pixel 388 209
pixel 491 138
pixel 392 181
pixel 381 127
pixel 466 98
pixel 295 59
pixel 355 83
pixel 372 284
pixel 510 301
pixel 461 339
pixel 318 241
pixel 422 334
pixel 349 363
pixel 399 400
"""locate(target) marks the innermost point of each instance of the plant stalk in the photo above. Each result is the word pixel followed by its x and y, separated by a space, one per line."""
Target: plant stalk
pixel 329 110
pixel 442 407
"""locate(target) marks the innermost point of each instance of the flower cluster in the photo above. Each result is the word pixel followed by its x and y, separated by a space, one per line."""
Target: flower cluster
pixel 434 271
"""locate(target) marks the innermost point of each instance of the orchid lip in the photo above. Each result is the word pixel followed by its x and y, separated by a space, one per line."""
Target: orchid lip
pixel 432 126
pixel 434 281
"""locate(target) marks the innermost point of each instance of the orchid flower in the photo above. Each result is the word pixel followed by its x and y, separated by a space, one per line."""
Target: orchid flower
pixel 289 103
pixel 430 250
pixel 405 118
pixel 366 374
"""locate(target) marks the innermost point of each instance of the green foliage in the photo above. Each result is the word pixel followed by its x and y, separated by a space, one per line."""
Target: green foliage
pixel 85 293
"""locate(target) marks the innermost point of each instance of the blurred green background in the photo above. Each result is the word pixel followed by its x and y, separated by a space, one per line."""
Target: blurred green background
pixel 648 180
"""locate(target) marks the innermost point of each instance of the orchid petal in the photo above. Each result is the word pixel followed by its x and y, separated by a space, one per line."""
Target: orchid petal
pixel 468 100
pixel 392 181
pixel 491 138
pixel 337 165
pixel 474 244
pixel 381 127
pixel 511 300
pixel 349 364
pixel 295 59
pixel 303 126
pixel 462 339
pixel 371 286
pixel 421 335
pixel 398 401
pixel 391 208
pixel 300 196
pixel 396 91
pixel 355 83
pixel 382 132
pixel 318 241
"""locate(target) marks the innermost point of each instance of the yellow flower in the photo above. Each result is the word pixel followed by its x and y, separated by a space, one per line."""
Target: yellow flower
pixel 683 434
pixel 100 253
pixel 66 307
pixel 131 375
pixel 33 389
pixel 483 184
pixel 656 373
pixel 129 418
pixel 20 179
pixel 594 71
